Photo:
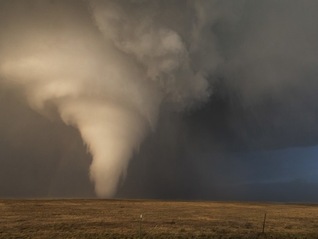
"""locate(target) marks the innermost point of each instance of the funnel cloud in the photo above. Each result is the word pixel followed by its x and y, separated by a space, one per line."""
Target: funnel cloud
pixel 163 94
pixel 106 67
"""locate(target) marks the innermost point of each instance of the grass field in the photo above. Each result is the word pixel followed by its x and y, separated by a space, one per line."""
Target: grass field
pixel 161 219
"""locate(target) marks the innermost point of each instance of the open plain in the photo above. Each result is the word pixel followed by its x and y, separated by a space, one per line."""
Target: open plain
pixel 76 218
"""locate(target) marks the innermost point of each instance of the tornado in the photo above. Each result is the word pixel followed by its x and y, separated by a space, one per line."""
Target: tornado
pixel 107 68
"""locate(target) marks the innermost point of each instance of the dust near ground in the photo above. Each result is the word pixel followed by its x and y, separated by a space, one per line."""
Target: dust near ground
pixel 161 219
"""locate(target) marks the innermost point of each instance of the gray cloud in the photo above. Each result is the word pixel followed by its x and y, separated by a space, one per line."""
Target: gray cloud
pixel 179 87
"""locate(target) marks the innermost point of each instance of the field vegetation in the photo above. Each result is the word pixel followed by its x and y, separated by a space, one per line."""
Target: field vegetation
pixel 160 219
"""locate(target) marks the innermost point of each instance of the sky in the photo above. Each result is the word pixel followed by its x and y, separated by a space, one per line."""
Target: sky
pixel 189 100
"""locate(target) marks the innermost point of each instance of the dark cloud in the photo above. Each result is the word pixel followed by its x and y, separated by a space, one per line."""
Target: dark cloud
pixel 247 135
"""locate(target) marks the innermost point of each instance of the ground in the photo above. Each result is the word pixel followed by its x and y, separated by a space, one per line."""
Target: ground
pixel 80 218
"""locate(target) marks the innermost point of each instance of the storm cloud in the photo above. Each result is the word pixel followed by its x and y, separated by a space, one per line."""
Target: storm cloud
pixel 173 96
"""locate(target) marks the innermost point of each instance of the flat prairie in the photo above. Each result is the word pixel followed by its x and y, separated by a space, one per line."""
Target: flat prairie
pixel 78 218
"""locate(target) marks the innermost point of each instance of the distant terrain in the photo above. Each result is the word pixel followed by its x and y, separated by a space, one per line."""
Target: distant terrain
pixel 160 219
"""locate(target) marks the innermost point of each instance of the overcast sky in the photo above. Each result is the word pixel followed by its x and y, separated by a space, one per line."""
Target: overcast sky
pixel 211 100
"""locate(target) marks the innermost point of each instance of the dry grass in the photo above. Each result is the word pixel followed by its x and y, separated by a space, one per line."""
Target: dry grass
pixel 162 219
